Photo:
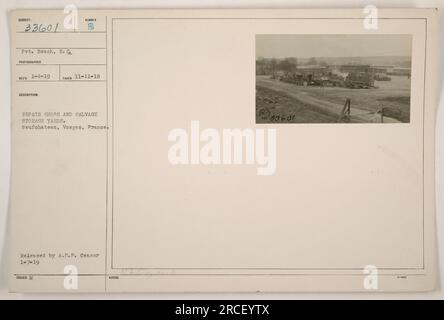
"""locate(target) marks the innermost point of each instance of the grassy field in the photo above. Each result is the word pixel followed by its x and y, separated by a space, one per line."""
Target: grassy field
pixel 393 95
pixel 276 107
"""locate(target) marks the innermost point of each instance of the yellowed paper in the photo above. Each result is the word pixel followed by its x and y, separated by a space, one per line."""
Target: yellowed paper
pixel 222 150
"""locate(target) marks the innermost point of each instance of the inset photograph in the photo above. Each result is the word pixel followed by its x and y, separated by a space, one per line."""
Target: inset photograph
pixel 333 78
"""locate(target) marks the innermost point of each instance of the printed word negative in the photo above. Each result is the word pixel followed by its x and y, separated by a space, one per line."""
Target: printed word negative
pixel 224 147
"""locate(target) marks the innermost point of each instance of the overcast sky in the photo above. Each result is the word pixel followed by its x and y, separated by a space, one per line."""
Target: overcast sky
pixel 306 46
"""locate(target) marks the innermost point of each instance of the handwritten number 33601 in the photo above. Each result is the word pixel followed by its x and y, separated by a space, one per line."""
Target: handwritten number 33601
pixel 35 27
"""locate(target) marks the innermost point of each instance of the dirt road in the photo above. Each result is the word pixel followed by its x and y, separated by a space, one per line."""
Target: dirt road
pixel 356 114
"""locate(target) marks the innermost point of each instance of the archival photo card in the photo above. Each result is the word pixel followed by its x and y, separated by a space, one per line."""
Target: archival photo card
pixel 333 78
pixel 154 151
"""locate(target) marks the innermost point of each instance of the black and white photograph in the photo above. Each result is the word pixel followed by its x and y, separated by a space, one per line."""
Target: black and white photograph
pixel 333 78
pixel 219 158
